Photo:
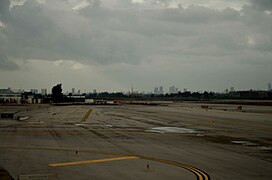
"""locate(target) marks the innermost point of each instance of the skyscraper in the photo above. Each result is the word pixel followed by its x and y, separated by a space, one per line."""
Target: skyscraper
pixel 172 90
pixel 44 91
pixel 73 90
pixel 176 90
pixel 161 90
pixel 269 87
pixel 131 91
pixel 156 90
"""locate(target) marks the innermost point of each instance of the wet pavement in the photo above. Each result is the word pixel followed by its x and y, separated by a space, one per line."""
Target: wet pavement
pixel 177 141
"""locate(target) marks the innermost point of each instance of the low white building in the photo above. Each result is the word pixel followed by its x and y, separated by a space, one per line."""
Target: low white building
pixel 10 98
pixel 89 100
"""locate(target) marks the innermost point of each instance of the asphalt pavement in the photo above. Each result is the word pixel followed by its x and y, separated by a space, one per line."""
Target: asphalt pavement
pixel 173 141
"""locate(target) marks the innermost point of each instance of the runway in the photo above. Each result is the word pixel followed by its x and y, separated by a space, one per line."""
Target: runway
pixel 174 141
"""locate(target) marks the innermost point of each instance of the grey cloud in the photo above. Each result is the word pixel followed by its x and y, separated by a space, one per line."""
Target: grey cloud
pixel 5 63
pixel 262 4
pixel 259 28
pixel 101 35
pixel 4 9
pixel 125 42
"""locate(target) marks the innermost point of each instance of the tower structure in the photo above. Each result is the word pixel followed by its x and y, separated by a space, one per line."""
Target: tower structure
pixel 131 90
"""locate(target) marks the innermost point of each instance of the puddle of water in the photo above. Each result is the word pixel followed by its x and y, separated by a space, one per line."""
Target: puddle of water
pixel 252 144
pixel 36 122
pixel 93 125
pixel 124 125
pixel 79 124
pixel 240 142
pixel 267 148
pixel 246 143
pixel 23 118
pixel 171 130
pixel 154 131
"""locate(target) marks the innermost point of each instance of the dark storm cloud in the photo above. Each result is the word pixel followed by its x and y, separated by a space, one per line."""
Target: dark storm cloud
pixel 4 9
pixel 34 33
pixel 147 42
pixel 5 63
pixel 130 33
pixel 262 4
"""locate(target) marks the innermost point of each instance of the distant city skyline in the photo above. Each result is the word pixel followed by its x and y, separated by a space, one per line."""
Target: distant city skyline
pixel 156 90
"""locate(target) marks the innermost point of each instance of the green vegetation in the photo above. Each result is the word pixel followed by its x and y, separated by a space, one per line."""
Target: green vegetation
pixel 57 95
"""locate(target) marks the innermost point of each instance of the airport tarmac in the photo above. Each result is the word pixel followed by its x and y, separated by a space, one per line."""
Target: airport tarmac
pixel 169 141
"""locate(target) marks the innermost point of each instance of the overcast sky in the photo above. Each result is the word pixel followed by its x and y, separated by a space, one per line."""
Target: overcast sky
pixel 110 44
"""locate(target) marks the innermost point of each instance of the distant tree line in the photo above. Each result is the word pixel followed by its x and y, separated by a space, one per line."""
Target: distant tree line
pixel 57 95
pixel 187 95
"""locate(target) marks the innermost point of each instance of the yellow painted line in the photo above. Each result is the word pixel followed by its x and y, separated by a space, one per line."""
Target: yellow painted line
pixel 194 170
pixel 201 175
pixel 93 161
pixel 86 116
pixel 199 171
